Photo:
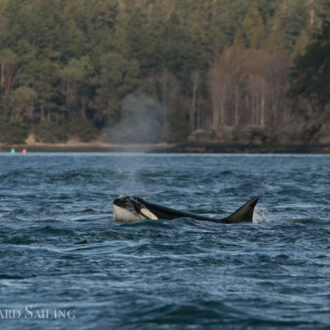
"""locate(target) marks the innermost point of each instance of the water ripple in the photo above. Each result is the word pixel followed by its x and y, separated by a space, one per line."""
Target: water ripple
pixel 60 247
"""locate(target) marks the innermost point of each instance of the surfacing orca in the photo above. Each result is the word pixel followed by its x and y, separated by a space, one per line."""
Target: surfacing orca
pixel 131 208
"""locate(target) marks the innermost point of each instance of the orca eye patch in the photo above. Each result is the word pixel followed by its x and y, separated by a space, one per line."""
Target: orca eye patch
pixel 121 202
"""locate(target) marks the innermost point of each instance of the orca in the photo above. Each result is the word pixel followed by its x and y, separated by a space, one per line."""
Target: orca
pixel 131 209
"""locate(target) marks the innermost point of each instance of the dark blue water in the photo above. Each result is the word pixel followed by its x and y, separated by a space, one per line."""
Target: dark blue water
pixel 62 254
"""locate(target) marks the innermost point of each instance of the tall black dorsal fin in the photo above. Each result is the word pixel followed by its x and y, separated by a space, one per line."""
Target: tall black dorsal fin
pixel 244 213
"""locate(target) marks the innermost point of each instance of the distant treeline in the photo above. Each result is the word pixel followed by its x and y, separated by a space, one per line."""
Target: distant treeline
pixel 150 71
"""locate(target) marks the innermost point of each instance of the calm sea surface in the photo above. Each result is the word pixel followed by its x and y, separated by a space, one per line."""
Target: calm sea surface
pixel 66 264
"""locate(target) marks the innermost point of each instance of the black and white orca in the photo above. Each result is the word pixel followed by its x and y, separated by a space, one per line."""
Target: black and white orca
pixel 131 209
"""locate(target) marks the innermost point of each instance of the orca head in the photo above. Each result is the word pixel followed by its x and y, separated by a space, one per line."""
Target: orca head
pixel 127 202
pixel 130 209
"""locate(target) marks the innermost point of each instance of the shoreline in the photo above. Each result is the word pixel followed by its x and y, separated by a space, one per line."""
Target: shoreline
pixel 169 148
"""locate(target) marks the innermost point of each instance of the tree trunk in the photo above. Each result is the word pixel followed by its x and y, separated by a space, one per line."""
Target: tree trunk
pixel 311 13
pixel 192 119
pixel 2 78
pixel 236 115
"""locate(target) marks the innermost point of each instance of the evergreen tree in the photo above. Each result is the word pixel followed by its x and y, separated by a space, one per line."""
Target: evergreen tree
pixel 118 76
pixel 253 27
pixel 311 74
pixel 67 65
pixel 291 18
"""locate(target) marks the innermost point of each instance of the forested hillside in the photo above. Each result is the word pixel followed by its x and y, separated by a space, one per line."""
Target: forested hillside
pixel 161 70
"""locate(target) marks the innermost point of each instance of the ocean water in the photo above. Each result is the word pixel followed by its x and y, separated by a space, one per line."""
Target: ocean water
pixel 65 264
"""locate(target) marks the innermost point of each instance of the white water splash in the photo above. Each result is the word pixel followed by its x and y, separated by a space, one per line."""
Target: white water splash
pixel 260 215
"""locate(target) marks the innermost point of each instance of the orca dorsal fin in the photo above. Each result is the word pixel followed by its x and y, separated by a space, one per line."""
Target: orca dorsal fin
pixel 244 213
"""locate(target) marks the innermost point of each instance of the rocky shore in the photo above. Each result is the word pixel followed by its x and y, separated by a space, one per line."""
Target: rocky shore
pixel 189 147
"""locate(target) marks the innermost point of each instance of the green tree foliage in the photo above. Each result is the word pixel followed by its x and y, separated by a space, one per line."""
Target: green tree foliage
pixel 291 19
pixel 81 68
pixel 22 104
pixel 117 77
pixel 75 77
pixel 311 74
pixel 253 27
